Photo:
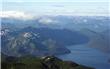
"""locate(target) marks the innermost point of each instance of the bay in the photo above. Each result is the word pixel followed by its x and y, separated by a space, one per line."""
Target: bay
pixel 84 55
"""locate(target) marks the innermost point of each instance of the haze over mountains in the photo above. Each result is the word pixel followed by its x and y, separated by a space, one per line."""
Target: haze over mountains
pixel 56 34
pixel 45 34
pixel 56 21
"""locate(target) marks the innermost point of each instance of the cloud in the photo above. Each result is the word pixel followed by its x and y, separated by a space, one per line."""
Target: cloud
pixel 47 21
pixel 15 14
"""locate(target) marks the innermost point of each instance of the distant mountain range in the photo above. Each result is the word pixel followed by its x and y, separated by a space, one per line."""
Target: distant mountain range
pixel 95 23
pixel 51 34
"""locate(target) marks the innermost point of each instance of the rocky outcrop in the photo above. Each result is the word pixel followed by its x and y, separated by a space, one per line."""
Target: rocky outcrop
pixel 48 62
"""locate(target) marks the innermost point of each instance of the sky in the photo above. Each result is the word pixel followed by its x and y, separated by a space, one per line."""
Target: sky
pixel 55 0
pixel 58 7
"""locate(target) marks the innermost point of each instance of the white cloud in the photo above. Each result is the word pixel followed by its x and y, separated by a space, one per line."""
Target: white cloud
pixel 15 14
pixel 47 21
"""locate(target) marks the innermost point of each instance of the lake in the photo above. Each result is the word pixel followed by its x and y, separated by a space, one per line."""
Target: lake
pixel 84 55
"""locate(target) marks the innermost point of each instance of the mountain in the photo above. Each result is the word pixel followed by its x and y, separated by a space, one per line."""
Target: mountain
pixel 98 40
pixel 56 31
pixel 101 42
pixel 47 62
pixel 39 41
pixel 96 23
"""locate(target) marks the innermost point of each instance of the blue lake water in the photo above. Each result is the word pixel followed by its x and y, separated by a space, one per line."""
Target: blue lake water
pixel 84 55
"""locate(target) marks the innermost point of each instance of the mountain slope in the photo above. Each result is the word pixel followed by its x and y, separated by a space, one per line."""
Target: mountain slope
pixel 48 62
pixel 98 40
pixel 39 41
